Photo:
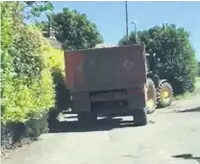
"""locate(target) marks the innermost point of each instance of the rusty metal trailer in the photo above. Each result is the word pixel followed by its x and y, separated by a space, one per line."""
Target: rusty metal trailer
pixel 107 81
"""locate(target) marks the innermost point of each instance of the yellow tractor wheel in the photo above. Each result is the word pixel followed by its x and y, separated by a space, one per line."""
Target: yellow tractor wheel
pixel 151 97
pixel 164 94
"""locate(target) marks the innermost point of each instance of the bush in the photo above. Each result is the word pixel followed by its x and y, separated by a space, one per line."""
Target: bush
pixel 6 135
pixel 56 63
pixel 12 133
pixel 27 119
pixel 32 74
pixel 36 127
pixel 177 57
pixel 27 90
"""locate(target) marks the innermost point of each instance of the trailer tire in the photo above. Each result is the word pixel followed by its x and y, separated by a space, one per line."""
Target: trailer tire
pixel 52 119
pixel 87 117
pixel 140 117
pixel 82 117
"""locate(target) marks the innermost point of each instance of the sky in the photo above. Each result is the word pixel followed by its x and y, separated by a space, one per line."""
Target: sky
pixel 110 17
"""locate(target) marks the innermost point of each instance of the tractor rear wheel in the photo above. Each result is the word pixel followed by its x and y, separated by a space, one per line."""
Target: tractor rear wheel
pixel 164 94
pixel 151 97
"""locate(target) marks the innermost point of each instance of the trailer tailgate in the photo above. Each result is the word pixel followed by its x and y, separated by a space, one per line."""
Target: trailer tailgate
pixel 105 68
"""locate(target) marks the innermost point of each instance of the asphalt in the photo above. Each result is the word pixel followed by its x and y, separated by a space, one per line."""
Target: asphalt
pixel 170 138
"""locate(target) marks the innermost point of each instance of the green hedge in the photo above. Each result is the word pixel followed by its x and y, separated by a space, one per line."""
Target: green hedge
pixel 12 133
pixel 27 90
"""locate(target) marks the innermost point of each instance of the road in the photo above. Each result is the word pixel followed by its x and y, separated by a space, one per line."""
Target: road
pixel 169 138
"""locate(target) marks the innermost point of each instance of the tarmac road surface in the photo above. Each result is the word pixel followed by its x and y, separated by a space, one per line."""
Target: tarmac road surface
pixel 169 138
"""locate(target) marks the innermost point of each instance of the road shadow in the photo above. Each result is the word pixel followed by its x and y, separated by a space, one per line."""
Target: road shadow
pixel 196 109
pixel 187 157
pixel 104 124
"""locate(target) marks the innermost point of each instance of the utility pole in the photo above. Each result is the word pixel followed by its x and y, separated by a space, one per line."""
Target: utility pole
pixel 126 11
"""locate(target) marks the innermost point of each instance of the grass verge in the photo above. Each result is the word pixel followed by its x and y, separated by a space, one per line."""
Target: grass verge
pixel 190 94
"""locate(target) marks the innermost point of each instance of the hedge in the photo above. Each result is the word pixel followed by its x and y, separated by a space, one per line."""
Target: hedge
pixel 27 69
pixel 28 91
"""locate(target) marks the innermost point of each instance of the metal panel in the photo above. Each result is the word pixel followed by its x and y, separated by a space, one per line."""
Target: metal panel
pixel 106 68
pixel 81 101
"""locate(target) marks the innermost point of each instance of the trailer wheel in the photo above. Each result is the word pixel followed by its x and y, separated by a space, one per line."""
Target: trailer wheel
pixel 164 94
pixel 140 117
pixel 82 117
pixel 52 119
pixel 86 117
pixel 151 102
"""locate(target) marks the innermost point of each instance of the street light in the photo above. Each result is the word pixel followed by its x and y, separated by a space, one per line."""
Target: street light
pixel 126 13
pixel 135 29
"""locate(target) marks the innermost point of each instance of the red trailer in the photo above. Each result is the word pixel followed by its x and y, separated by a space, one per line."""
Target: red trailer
pixel 107 81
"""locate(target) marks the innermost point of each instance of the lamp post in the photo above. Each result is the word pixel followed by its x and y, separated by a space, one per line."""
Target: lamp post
pixel 126 13
pixel 135 29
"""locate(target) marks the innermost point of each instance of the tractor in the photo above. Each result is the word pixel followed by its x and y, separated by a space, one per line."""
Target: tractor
pixel 160 90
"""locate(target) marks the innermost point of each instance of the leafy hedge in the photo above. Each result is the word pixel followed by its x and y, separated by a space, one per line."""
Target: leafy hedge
pixel 28 68
pixel 28 89
pixel 55 58
pixel 12 133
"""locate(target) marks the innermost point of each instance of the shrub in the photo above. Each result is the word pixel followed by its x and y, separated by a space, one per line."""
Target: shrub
pixel 35 127
pixel 29 91
pixel 57 65
pixel 30 71
pixel 177 57
pixel 12 133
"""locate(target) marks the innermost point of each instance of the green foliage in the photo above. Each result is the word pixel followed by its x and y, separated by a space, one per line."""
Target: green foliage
pixel 56 63
pixel 9 19
pixel 177 58
pixel 27 89
pixel 43 25
pixel 35 127
pixel 27 61
pixel 27 94
pixel 36 8
pixel 199 68
pixel 130 40
pixel 74 30
pixel 12 134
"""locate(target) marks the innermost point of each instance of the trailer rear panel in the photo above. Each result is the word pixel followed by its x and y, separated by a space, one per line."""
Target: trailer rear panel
pixel 105 68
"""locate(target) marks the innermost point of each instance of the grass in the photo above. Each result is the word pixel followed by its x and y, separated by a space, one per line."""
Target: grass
pixel 189 94
pixel 184 96
pixel 198 79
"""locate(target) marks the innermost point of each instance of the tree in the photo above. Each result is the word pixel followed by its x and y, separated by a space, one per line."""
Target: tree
pixel 177 57
pixel 199 68
pixel 36 8
pixel 74 30
pixel 131 39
